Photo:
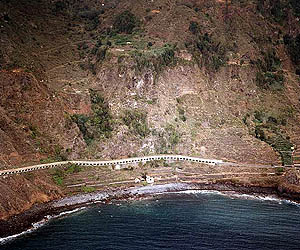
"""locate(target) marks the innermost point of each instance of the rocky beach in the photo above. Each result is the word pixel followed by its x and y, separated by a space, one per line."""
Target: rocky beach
pixel 30 219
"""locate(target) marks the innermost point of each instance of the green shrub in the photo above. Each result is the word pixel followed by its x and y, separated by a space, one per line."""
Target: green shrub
pixel 279 170
pixel 296 7
pixel 92 24
pixel 58 176
pixel 278 11
pixel 194 27
pixel 92 68
pixel 270 61
pixel 86 189
pixel 101 53
pixel 102 119
pixel 122 39
pixel 83 46
pixel 259 116
pixel 269 75
pixel 208 52
pixel 274 137
pixel 135 120
pixel 91 19
pixel 268 129
pixel 181 114
pixel 275 9
pixel 273 120
pixel 166 55
pixel 155 58
pixel 49 159
pixel 60 173
pixel 270 80
pixel 99 123
pixel 73 168
pixel 58 180
pixel 81 121
pixel 34 131
pixel 94 50
pixel 173 135
pixel 125 22
pixel 60 6
pixel 293 46
pixel 260 6
pixel 260 133
pixel 59 154
pixel 99 43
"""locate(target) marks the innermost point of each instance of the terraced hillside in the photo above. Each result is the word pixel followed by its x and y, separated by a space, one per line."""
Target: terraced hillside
pixel 115 79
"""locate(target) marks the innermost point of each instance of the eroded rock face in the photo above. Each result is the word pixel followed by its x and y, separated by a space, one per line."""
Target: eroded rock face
pixel 20 192
pixel 292 177
pixel 52 63
pixel 33 123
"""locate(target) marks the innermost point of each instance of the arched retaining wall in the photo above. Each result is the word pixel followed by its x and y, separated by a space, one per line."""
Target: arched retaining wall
pixel 111 162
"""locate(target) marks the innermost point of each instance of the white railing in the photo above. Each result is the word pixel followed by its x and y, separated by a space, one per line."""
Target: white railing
pixel 111 162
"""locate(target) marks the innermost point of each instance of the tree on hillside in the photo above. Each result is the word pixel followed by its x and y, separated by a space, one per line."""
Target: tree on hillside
pixel 125 22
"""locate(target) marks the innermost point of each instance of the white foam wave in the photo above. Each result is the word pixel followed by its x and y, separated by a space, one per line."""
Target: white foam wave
pixel 199 192
pixel 264 198
pixel 71 211
pixel 292 203
pixel 240 196
pixel 37 225
pixel 255 197
pixel 12 237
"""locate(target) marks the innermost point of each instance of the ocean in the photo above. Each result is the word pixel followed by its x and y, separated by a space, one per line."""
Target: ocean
pixel 183 220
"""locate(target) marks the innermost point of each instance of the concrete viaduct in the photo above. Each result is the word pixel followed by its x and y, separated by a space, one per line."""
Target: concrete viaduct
pixel 111 162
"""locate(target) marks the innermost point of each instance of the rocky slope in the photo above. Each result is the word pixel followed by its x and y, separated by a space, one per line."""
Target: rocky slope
pixel 107 79
pixel 20 193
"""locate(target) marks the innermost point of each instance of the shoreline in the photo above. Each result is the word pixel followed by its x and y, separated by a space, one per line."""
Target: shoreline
pixel 39 214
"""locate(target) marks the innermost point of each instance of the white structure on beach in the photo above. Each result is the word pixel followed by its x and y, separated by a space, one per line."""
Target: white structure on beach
pixel 149 179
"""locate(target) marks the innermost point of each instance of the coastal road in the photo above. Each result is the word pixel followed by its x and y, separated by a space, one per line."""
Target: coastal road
pixel 119 162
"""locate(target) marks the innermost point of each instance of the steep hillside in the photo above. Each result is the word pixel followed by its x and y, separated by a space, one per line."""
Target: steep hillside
pixel 20 193
pixel 109 79
pixel 193 77
pixel 33 123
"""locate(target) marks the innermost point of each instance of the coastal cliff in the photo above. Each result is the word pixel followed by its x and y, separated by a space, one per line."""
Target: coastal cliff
pixel 20 193
pixel 111 79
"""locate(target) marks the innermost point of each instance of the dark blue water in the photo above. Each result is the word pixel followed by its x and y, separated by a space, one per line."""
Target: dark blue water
pixel 185 221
